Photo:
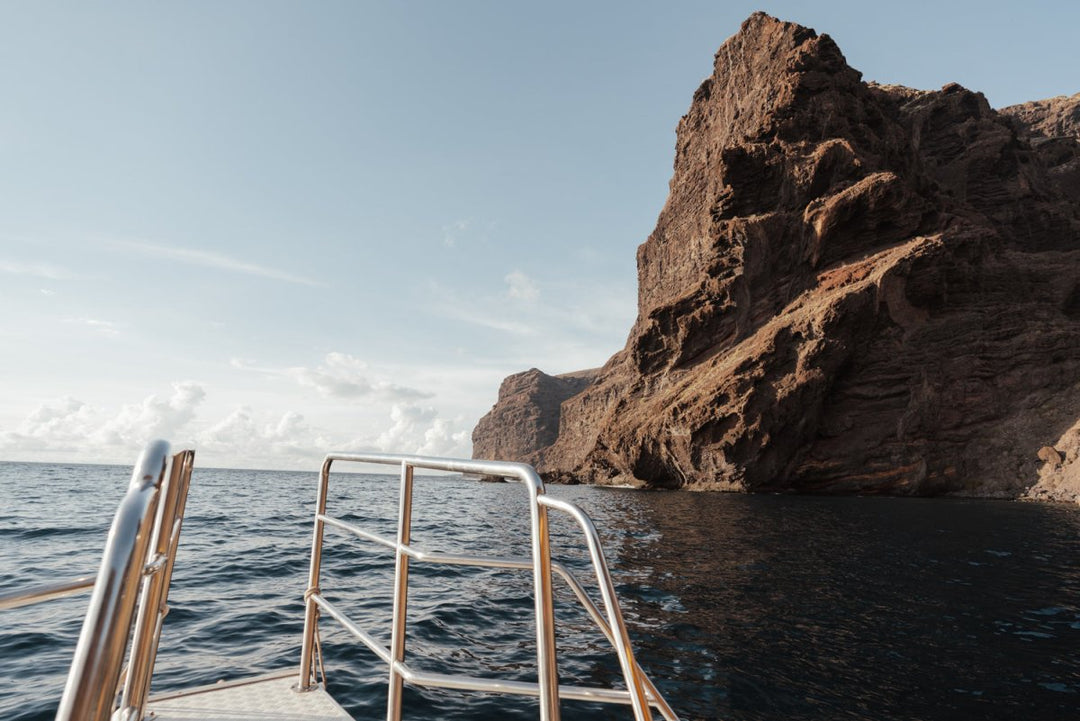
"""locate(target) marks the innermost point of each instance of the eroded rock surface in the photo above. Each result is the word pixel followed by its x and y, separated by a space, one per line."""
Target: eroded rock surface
pixel 1052 127
pixel 525 419
pixel 1059 473
pixel 851 288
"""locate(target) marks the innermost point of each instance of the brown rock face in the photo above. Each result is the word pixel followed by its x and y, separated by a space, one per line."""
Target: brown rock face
pixel 1051 118
pixel 851 288
pixel 1059 474
pixel 525 419
pixel 1052 127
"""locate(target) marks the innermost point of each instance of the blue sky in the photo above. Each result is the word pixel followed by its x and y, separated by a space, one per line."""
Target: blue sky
pixel 274 229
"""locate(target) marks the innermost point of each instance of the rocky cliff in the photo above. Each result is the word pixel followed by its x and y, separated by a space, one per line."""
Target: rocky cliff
pixel 1052 128
pixel 525 420
pixel 851 288
pixel 1059 475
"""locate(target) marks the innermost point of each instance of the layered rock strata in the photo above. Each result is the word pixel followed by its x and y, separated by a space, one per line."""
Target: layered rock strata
pixel 851 288
pixel 1052 128
pixel 525 420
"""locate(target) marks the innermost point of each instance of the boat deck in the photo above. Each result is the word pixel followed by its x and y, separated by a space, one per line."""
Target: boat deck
pixel 267 698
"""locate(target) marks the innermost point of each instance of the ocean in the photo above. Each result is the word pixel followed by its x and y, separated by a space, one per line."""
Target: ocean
pixel 739 607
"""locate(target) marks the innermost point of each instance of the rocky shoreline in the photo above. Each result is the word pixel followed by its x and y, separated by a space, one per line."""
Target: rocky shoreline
pixel 852 288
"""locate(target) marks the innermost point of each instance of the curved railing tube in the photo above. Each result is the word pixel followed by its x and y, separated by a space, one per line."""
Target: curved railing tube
pixel 640 694
pixel 140 549
pixel 95 671
pixel 617 627
pixel 48 592
pixel 153 605
pixel 142 524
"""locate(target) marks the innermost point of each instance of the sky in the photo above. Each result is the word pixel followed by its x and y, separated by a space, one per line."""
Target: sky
pixel 269 230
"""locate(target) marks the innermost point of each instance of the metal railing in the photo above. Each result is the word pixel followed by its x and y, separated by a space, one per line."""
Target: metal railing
pixel 139 550
pixel 640 693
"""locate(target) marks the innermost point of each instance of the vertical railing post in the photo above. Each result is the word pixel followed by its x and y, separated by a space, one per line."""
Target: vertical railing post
pixel 401 594
pixel 311 611
pixel 546 667
pixel 632 673
pixel 155 594
pixel 90 691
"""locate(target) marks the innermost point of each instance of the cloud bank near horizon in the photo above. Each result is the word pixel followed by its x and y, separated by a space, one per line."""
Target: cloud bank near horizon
pixel 70 430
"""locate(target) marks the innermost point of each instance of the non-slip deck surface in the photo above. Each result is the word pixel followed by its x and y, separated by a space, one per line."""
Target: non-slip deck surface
pixel 264 699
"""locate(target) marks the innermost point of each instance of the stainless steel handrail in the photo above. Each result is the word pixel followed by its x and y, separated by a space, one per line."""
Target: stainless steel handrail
pixel 488 562
pixel 153 606
pixel 616 628
pixel 641 693
pixel 38 594
pixel 99 654
pixel 98 664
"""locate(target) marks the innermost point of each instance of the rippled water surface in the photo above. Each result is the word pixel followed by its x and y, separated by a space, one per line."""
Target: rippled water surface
pixel 740 607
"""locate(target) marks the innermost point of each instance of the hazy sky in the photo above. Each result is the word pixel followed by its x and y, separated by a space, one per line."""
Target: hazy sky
pixel 274 229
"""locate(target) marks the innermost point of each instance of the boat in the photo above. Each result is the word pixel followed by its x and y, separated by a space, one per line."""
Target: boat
pixel 111 673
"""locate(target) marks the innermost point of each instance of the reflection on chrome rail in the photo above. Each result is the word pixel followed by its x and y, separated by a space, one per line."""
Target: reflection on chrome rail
pixel 130 597
pixel 640 692
pixel 139 550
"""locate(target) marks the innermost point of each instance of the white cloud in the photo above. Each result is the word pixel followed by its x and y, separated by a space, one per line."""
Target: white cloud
pixel 581 325
pixel 419 430
pixel 344 376
pixel 210 259
pixel 330 384
pixel 522 287
pixel 453 231
pixel 232 432
pixel 154 417
pixel 256 440
pixel 103 327
pixel 596 317
pixel 485 319
pixel 467 232
pixel 65 420
pixel 38 270
pixel 72 430
pixel 69 424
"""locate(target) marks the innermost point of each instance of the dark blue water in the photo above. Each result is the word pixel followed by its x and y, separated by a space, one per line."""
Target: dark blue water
pixel 740 607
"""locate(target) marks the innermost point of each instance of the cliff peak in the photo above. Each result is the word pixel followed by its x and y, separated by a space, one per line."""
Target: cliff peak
pixel 852 287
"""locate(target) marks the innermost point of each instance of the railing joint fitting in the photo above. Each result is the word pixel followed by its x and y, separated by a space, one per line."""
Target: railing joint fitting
pixel 155 565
